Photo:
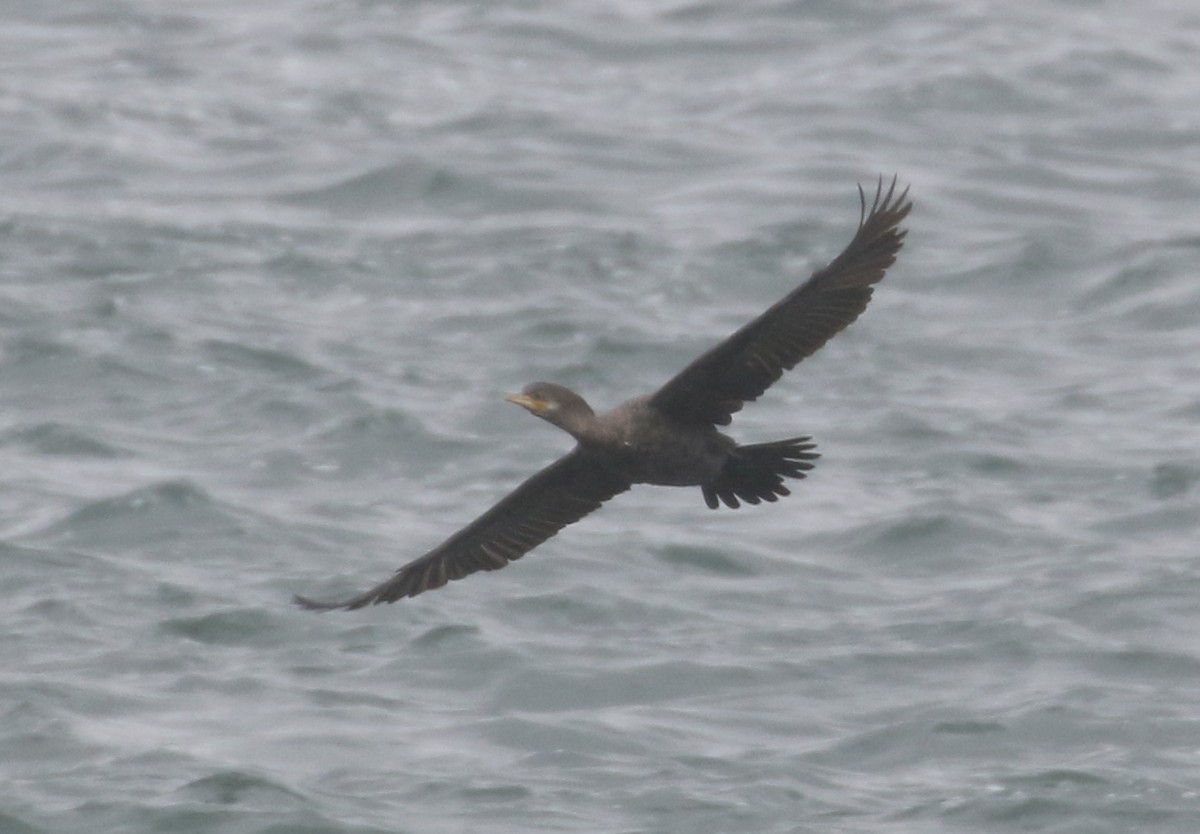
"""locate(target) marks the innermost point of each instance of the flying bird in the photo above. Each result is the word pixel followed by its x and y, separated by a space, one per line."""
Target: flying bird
pixel 669 437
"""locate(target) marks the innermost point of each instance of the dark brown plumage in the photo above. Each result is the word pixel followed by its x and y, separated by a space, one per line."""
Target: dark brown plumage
pixel 669 437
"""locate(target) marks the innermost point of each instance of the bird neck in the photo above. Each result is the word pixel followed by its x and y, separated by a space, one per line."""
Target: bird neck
pixel 580 423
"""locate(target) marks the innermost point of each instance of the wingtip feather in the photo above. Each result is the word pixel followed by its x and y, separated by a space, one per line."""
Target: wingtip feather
pixel 314 605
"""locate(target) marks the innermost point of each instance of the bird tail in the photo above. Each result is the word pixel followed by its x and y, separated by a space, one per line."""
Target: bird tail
pixel 755 473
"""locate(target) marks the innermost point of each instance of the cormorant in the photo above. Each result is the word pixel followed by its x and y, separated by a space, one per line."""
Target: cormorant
pixel 669 437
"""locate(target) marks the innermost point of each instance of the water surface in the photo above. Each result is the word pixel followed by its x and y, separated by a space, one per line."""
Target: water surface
pixel 267 273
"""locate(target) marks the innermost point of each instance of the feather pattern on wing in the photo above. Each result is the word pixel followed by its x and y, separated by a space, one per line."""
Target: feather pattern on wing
pixel 561 494
pixel 738 370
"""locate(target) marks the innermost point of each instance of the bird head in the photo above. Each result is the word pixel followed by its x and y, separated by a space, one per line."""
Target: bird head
pixel 534 400
pixel 555 404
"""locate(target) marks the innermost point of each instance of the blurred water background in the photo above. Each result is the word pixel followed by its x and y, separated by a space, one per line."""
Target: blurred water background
pixel 266 271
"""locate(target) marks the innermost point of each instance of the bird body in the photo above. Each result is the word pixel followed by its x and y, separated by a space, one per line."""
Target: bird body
pixel 635 439
pixel 670 437
pixel 658 450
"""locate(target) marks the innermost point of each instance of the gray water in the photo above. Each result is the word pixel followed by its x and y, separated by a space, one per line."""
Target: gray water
pixel 267 270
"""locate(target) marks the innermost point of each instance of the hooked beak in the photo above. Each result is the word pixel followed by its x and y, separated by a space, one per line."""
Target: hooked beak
pixel 528 403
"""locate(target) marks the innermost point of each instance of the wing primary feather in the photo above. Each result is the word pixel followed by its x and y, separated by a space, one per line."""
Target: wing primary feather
pixel 561 494
pixel 738 370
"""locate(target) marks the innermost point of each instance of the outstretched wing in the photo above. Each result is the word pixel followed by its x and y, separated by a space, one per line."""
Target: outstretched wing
pixel 717 384
pixel 561 494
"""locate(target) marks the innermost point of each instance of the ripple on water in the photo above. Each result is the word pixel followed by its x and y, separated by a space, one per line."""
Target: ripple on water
pixel 165 511
pixel 54 438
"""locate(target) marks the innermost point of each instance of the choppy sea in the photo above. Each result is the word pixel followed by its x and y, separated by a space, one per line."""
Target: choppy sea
pixel 267 270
